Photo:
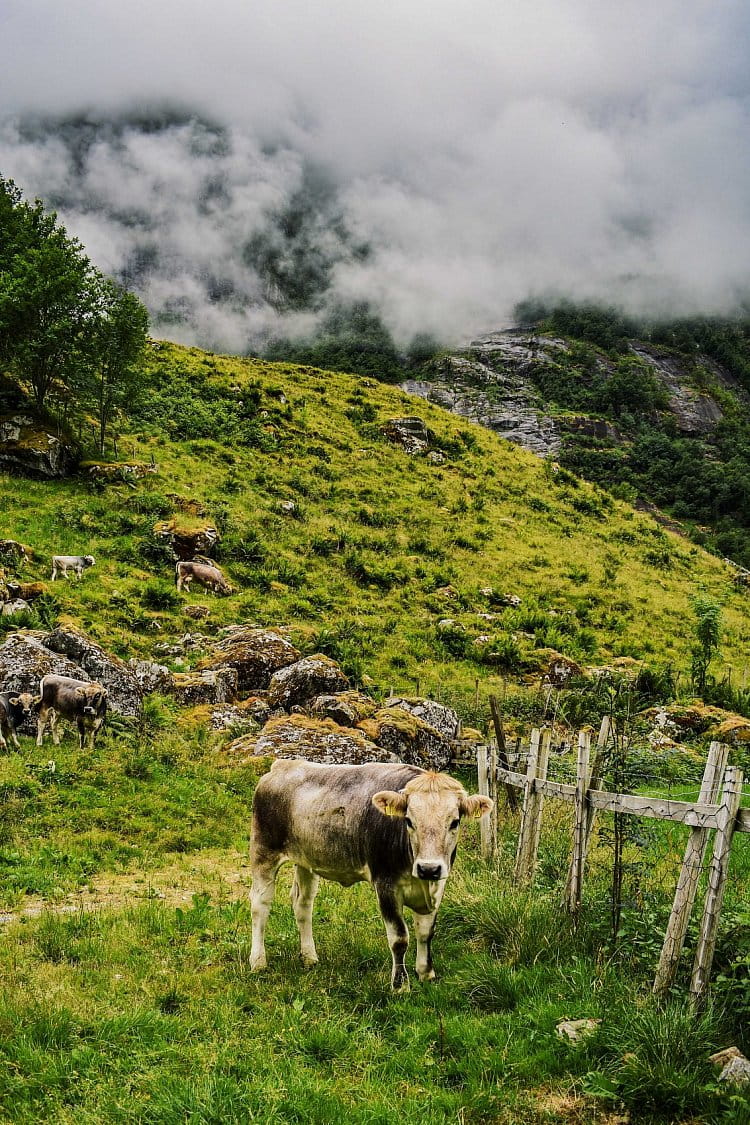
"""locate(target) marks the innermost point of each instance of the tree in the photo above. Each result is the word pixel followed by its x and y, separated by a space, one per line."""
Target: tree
pixel 49 293
pixel 117 345
pixel 708 625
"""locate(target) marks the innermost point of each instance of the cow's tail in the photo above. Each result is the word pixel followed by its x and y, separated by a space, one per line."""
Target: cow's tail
pixel 177 574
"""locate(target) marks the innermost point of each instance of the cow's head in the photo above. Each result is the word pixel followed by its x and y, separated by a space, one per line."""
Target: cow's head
pixel 89 560
pixel 22 704
pixel 432 805
pixel 92 699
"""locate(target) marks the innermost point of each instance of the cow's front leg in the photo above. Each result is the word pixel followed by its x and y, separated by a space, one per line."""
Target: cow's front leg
pixel 304 890
pixel 424 928
pixel 54 721
pixel 41 723
pixel 391 908
pixel 261 897
pixel 14 739
pixel 3 743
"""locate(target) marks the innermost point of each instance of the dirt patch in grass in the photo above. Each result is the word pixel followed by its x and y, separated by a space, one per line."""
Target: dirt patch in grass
pixel 225 875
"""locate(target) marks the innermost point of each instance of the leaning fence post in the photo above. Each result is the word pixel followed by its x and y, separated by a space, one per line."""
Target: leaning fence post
pixel 528 839
pixel 605 729
pixel 485 842
pixel 687 883
pixel 726 820
pixel 502 749
pixel 578 859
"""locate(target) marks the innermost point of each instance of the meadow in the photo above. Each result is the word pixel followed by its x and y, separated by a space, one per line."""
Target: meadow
pixel 127 994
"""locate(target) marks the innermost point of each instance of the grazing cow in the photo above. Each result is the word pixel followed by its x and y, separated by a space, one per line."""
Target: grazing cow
pixel 15 709
pixel 208 576
pixel 76 563
pixel 395 826
pixel 82 703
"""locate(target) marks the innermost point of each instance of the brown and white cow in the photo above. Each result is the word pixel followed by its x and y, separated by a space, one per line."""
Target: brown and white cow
pixel 395 826
pixel 205 575
pixel 80 702
pixel 15 708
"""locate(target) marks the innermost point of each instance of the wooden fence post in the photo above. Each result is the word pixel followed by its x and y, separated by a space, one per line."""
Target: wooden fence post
pixel 717 876
pixel 533 802
pixel 502 749
pixel 493 794
pixel 578 860
pixel 605 729
pixel 485 841
pixel 687 884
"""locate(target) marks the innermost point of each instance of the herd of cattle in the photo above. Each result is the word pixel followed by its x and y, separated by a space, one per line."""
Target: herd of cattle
pixel 393 825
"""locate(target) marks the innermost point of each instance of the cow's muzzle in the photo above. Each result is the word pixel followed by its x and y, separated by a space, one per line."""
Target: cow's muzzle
pixel 430 871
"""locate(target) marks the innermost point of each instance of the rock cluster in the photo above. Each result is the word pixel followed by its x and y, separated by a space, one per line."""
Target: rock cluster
pixel 29 448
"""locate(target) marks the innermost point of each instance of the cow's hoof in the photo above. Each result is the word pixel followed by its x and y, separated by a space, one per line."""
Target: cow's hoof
pixel 309 963
pixel 401 986
pixel 258 964
pixel 427 978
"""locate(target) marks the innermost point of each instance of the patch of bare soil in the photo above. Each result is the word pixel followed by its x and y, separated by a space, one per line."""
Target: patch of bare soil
pixel 224 875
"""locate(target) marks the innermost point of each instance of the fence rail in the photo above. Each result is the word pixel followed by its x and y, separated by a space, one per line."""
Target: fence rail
pixel 717 809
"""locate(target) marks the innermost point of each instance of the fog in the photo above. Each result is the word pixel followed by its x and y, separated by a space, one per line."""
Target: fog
pixel 249 165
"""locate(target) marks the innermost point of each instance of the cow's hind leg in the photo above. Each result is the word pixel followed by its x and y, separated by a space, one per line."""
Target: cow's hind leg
pixel 424 928
pixel 261 897
pixel 397 933
pixel 304 890
pixel 41 723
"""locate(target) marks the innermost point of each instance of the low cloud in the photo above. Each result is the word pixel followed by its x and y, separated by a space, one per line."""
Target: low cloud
pixel 246 167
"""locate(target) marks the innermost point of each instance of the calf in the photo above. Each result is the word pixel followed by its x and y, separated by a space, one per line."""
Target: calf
pixel 76 563
pixel 82 703
pixel 395 826
pixel 15 708
pixel 205 575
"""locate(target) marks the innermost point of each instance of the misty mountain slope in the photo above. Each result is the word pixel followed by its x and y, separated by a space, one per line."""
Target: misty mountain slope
pixel 663 423
pixel 380 558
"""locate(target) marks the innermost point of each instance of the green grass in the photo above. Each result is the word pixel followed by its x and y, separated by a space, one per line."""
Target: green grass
pixel 146 1011
pixel 376 538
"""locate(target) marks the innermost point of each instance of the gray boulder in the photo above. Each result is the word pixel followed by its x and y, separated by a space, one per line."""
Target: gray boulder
pixel 410 433
pixel 29 448
pixel 218 685
pixel 317 740
pixel 255 654
pixel 302 681
pixel 441 718
pixel 124 693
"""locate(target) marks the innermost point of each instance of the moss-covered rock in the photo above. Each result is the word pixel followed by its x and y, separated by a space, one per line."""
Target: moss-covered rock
pixel 317 740
pixel 347 708
pixel 255 654
pixel 218 685
pixel 28 448
pixel 410 738
pixel 443 719
pixel 187 538
pixel 302 681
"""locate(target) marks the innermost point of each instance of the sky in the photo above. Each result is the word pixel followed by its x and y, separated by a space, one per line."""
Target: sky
pixel 481 153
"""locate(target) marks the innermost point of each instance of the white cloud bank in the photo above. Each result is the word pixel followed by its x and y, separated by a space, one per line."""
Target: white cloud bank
pixel 482 151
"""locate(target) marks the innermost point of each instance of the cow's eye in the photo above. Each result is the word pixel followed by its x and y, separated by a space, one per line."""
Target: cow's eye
pixel 454 824
pixel 408 822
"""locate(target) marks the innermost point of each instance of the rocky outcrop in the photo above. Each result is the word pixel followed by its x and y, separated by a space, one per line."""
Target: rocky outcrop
pixel 441 718
pixel 28 448
pixel 695 414
pixel 218 685
pixel 186 541
pixel 118 470
pixel 13 607
pixel 255 654
pixel 13 553
pixel 151 677
pixel 410 433
pixel 302 681
pixel 124 693
pixel 409 738
pixel 317 740
pixel 347 708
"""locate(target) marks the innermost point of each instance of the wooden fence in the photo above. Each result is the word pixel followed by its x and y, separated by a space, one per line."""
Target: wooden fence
pixel 717 810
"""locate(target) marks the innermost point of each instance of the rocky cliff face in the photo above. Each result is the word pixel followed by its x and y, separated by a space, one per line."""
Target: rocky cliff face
pixel 491 382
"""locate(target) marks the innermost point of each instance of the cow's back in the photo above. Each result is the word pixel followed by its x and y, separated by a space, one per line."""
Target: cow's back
pixel 323 817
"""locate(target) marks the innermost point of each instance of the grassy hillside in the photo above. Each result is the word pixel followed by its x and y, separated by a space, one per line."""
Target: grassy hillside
pixel 360 568
pixel 128 996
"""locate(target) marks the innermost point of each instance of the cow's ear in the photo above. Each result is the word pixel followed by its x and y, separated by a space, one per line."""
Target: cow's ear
pixel 475 806
pixel 80 693
pixel 390 803
pixel 15 700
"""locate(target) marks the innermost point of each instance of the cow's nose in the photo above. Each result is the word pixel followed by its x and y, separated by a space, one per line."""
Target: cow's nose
pixel 429 870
